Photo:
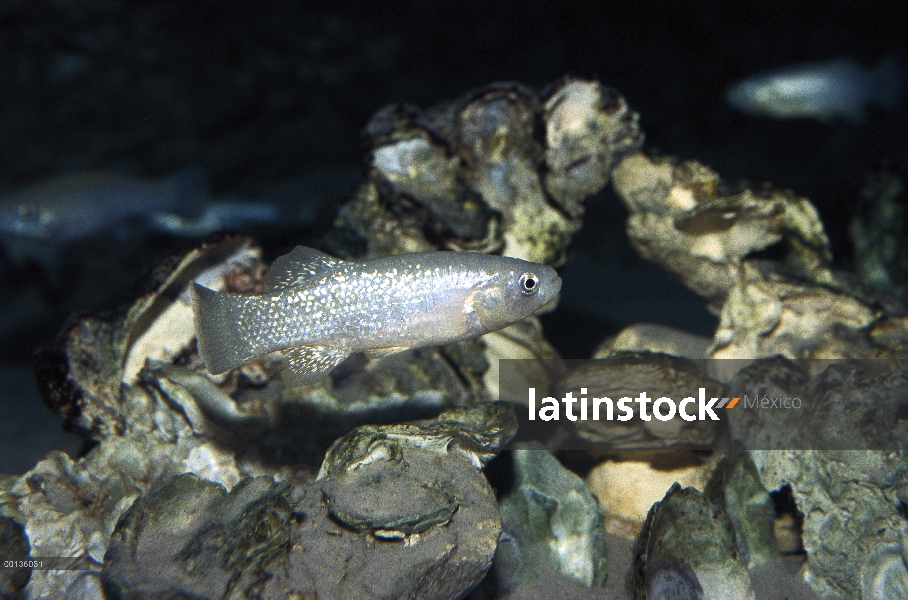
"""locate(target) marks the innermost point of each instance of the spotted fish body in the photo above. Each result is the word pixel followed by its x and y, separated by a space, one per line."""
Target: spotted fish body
pixel 316 310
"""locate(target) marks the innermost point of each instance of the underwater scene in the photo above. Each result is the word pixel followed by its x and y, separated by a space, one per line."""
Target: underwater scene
pixel 483 300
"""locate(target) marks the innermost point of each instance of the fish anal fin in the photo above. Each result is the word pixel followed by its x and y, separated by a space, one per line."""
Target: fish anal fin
pixel 297 267
pixel 305 365
pixel 383 352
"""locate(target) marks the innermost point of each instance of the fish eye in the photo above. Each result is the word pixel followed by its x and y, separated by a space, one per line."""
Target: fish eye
pixel 529 284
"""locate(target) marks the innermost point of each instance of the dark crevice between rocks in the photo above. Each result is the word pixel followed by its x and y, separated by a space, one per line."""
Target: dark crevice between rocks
pixel 789 522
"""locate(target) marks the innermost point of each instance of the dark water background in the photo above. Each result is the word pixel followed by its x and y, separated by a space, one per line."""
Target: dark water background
pixel 269 97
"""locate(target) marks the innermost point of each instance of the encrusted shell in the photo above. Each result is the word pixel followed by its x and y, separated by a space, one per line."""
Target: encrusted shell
pixel 473 173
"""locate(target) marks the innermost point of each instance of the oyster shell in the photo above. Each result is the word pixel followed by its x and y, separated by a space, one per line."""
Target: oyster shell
pixel 681 219
pixel 472 173
pixel 553 526
pixel 625 375
pixel 687 549
pixel 399 511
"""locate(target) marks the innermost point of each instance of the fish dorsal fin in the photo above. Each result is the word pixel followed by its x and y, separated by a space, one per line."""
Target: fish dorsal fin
pixel 305 365
pixel 297 267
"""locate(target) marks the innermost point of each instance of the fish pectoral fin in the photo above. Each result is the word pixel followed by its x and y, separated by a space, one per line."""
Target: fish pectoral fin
pixel 305 365
pixel 383 352
pixel 297 267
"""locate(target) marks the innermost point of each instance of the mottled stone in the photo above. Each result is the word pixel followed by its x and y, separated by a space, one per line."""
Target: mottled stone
pixel 842 456
pixel 437 545
pixel 478 433
pixel 877 233
pixel 13 546
pixel 191 538
pixel 553 525
pixel 588 127
pixel 628 485
pixel 687 549
pixel 768 313
pixel 383 501
pixel 399 511
pixel 854 526
pixel 70 508
pixel 735 484
pixel 502 169
pixel 652 337
pixel 842 405
pixel 683 219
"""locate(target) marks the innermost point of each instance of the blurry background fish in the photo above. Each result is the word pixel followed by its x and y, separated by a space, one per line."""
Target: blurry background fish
pixel 39 218
pixel 821 90
pixel 71 207
pixel 222 215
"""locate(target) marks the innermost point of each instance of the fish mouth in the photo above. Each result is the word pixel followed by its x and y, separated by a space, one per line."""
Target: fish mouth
pixel 553 288
pixel 550 305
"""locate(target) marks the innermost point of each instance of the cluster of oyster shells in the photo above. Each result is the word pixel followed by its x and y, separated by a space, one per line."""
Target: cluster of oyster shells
pixel 370 484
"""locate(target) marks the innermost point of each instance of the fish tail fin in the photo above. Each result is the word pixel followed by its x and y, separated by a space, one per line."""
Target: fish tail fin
pixel 222 345
pixel 890 77
pixel 187 192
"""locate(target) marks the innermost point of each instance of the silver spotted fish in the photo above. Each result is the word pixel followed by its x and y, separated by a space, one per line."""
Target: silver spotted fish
pixel 316 310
